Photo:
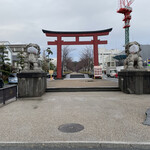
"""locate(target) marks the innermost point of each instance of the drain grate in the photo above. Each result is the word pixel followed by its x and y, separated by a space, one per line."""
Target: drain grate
pixel 71 128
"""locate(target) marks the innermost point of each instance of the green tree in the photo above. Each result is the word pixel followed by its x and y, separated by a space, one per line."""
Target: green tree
pixel 21 57
pixel 3 57
pixel 49 52
pixel 52 66
pixel 5 67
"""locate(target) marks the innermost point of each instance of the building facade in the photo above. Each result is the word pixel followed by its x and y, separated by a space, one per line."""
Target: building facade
pixel 145 54
pixel 106 57
pixel 13 51
pixel 16 49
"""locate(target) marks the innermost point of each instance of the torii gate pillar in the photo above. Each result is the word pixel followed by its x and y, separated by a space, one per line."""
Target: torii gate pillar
pixel 59 63
pixel 95 38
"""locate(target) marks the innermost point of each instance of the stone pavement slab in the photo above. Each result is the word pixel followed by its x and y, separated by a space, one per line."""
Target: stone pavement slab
pixel 106 117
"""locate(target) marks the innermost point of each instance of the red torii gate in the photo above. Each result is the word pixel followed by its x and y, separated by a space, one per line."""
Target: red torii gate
pixel 59 42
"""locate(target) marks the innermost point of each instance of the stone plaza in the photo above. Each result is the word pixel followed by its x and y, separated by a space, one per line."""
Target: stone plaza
pixel 117 118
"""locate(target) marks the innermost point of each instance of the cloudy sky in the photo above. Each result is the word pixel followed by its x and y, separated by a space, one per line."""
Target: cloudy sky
pixel 22 21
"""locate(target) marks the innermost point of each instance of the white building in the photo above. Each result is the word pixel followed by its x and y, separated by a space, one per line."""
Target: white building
pixel 16 49
pixel 13 50
pixel 106 57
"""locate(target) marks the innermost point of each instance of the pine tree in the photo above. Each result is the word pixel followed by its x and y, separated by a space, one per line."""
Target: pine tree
pixel 3 57
pixel 49 52
pixel 21 57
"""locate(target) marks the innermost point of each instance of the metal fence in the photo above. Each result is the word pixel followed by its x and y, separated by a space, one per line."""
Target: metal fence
pixel 7 93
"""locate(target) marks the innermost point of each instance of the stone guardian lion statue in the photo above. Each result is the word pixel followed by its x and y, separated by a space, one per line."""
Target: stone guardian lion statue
pixel 32 55
pixel 134 59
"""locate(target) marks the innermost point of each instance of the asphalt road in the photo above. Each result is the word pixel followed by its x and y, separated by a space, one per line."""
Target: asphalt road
pixel 110 79
pixel 64 148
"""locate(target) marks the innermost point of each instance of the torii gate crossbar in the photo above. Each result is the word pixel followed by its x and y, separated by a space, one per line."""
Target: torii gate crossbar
pixel 59 42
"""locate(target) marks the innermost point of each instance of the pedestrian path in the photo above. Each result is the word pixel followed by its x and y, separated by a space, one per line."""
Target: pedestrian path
pixel 80 83
pixel 112 117
pixel 83 82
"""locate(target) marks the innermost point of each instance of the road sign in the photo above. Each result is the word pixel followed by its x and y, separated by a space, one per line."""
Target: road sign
pixel 97 71
pixel 148 62
pixel 51 73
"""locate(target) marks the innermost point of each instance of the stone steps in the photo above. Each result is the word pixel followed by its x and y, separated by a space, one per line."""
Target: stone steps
pixel 83 89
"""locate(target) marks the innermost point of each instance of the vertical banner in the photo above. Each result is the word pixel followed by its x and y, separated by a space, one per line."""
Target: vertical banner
pixel 148 62
pixel 97 71
pixel 51 73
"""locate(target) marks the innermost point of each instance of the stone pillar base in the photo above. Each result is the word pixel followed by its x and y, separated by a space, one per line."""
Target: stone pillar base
pixel 31 84
pixel 134 82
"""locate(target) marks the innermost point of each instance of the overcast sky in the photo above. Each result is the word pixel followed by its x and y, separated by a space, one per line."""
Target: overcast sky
pixel 22 21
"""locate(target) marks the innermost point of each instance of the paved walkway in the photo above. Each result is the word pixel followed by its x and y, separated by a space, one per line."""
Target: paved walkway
pixel 85 82
pixel 106 116
pixel 79 82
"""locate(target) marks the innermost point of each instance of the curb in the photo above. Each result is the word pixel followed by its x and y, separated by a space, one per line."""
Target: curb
pixel 80 145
